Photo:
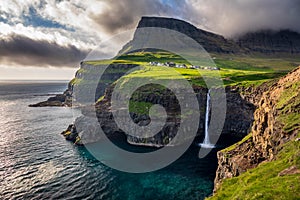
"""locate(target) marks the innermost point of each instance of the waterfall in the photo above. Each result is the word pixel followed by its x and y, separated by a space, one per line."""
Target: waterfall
pixel 206 143
pixel 206 138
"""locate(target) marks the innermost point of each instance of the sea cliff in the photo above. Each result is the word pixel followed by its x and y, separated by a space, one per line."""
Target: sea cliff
pixel 272 144
pixel 239 115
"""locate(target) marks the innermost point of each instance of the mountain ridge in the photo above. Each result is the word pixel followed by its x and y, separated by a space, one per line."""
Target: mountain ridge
pixel 211 42
pixel 264 42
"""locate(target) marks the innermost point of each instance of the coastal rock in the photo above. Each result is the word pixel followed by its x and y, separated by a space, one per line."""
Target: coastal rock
pixel 239 117
pixel 58 100
pixel 268 132
pixel 71 134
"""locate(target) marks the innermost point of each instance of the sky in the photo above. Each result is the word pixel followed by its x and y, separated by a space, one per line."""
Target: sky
pixel 47 39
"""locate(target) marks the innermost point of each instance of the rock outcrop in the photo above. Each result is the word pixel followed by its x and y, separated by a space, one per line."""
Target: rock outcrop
pixel 58 100
pixel 239 116
pixel 271 42
pixel 275 123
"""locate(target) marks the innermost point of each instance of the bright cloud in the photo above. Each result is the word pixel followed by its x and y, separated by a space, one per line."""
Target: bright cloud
pixel 60 33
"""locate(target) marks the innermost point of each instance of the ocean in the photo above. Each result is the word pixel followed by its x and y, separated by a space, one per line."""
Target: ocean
pixel 38 163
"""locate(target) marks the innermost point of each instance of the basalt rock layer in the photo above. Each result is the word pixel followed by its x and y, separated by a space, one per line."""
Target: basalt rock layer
pixel 239 112
pixel 276 121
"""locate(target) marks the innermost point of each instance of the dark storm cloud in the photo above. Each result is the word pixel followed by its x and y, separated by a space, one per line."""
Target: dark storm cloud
pixel 19 49
pixel 225 17
pixel 239 16
pixel 120 15
pixel 229 18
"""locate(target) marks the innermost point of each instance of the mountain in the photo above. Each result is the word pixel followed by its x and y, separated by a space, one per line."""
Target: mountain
pixel 211 42
pixel 271 42
pixel 262 42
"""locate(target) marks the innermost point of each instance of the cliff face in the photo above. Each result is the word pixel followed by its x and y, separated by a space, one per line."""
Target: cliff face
pixel 236 125
pixel 239 115
pixel 270 42
pixel 276 121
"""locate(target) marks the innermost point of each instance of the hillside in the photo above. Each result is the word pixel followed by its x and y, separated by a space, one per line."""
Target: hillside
pixel 266 162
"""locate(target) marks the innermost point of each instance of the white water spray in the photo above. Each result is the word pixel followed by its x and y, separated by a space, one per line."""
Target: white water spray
pixel 206 143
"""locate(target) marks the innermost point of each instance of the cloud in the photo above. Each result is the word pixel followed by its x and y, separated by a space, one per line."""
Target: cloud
pixel 22 50
pixel 236 17
pixel 225 17
pixel 104 17
pixel 59 33
pixel 120 15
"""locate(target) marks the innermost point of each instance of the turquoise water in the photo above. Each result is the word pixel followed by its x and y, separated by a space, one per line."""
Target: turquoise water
pixel 37 163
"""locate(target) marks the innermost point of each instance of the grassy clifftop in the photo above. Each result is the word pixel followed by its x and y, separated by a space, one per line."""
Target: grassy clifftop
pixel 234 70
pixel 267 161
pixel 278 179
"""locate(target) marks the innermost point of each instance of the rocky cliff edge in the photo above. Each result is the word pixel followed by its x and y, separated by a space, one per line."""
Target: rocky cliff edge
pixel 275 129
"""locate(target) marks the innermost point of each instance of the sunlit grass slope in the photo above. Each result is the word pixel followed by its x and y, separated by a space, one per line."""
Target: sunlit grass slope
pixel 234 70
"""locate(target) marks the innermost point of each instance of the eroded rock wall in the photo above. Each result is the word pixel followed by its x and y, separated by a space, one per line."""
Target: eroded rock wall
pixel 267 133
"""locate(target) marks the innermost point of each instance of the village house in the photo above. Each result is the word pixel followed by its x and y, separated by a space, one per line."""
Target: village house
pixel 184 66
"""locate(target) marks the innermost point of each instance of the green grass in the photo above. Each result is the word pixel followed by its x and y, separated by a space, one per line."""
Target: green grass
pixel 289 106
pixel 242 71
pixel 152 56
pixel 291 122
pixel 106 62
pixel 247 137
pixel 75 81
pixel 263 181
pixel 235 70
pixel 228 76
pixel 286 63
pixel 288 94
pixel 139 107
pixel 100 99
